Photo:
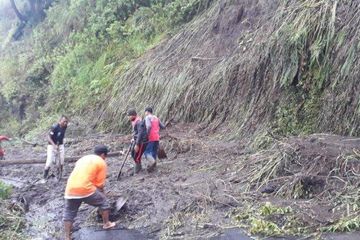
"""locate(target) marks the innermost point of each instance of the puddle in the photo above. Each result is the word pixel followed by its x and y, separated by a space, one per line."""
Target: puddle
pixel 117 233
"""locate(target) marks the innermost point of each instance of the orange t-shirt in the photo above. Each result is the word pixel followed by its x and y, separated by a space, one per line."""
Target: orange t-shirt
pixel 88 175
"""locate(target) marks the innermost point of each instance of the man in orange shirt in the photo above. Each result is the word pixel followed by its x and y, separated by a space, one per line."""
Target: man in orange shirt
pixel 86 184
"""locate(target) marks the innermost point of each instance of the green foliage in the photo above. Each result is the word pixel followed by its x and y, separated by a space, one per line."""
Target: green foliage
pixel 269 220
pixel 12 221
pixel 311 52
pixel 269 209
pixel 5 190
pixel 306 36
pixel 71 58
pixel 346 224
pixel 263 227
pixel 299 113
pixel 116 32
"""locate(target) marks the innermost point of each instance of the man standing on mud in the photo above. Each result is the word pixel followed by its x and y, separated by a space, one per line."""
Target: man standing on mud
pixel 153 126
pixel 139 140
pixel 86 184
pixel 56 144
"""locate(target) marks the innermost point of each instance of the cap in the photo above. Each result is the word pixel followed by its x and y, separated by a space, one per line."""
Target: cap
pixel 149 109
pixel 131 112
pixel 100 149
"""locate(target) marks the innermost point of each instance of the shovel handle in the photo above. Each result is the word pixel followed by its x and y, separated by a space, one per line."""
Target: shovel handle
pixel 126 156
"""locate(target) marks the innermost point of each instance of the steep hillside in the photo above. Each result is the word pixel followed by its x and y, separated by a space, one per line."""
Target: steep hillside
pixel 289 65
pixel 245 65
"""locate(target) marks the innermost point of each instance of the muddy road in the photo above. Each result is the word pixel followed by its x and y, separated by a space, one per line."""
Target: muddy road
pixel 190 195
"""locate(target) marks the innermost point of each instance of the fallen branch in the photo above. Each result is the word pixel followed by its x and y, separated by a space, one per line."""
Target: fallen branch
pixel 67 159
pixel 202 59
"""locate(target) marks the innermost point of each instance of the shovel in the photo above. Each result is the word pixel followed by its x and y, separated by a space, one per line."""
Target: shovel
pixel 126 156
pixel 114 211
pixel 119 204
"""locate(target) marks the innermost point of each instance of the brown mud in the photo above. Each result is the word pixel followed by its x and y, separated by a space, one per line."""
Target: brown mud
pixel 190 195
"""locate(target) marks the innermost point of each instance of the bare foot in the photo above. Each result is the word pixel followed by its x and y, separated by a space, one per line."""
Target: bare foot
pixel 109 225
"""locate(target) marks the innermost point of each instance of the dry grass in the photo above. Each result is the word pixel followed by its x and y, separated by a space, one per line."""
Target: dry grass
pixel 317 175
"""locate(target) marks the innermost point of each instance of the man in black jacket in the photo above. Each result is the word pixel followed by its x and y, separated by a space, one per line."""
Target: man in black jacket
pixel 139 140
pixel 56 143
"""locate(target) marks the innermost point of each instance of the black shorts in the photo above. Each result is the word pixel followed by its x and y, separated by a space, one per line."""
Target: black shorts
pixel 97 199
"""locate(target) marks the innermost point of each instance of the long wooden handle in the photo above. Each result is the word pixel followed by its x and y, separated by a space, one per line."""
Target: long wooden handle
pixel 126 156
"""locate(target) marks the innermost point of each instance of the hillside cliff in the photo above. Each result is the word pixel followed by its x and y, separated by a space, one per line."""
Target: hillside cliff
pixel 245 65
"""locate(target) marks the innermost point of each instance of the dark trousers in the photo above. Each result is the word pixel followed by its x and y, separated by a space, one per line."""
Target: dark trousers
pixel 97 199
pixel 151 149
pixel 137 155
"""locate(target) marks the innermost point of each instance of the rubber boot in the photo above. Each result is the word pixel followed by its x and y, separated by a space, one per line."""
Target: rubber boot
pixel 137 168
pixel 46 173
pixel 152 164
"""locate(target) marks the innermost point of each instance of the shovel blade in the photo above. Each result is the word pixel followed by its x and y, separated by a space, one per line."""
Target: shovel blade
pixel 120 202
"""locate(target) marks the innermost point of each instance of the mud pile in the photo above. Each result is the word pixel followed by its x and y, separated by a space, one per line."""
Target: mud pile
pixel 195 191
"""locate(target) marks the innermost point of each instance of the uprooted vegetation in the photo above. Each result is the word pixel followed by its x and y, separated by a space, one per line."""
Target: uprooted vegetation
pixel 317 177
pixel 12 216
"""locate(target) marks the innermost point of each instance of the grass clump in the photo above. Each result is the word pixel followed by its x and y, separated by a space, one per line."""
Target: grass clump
pixel 5 190
pixel 11 217
pixel 345 224
pixel 268 220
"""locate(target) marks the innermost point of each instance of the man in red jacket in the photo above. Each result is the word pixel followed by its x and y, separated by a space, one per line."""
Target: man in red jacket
pixel 2 151
pixel 153 126
pixel 139 140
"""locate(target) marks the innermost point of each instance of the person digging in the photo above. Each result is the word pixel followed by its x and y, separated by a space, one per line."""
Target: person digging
pixel 56 144
pixel 86 184
pixel 139 140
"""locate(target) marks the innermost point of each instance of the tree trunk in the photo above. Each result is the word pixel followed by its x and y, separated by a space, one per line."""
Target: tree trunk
pixel 21 17
pixel 32 4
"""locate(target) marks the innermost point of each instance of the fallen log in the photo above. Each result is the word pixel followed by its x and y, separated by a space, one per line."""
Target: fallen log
pixel 36 161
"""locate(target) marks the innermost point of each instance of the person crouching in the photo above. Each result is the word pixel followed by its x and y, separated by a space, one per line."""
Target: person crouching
pixel 86 184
